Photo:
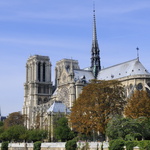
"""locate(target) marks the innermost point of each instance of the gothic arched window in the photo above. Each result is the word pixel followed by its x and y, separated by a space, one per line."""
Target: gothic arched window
pixel 39 71
pixel 44 71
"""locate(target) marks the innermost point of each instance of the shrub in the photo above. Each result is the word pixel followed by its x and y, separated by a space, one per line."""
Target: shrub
pixel 71 145
pixel 37 145
pixel 144 145
pixel 130 144
pixel 85 146
pixel 4 146
pixel 117 144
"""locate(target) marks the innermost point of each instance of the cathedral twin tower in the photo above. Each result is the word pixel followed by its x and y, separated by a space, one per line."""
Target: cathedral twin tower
pixel 40 93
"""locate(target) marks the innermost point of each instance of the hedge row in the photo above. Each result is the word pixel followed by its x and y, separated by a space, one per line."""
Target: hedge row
pixel 4 145
pixel 119 144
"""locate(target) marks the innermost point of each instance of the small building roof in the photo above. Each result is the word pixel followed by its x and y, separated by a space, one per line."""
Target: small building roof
pixel 58 106
pixel 129 68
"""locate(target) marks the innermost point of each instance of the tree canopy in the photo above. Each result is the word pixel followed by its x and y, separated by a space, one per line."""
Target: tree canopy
pixel 128 128
pixel 98 102
pixel 62 131
pixel 120 127
pixel 13 133
pixel 138 105
pixel 15 118
pixel 20 133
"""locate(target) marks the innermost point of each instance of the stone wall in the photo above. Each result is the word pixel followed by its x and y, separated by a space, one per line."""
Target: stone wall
pixel 20 146
pixel 53 146
pixel 58 146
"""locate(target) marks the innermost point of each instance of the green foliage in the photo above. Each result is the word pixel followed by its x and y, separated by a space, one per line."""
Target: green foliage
pixel 86 146
pixel 71 145
pixel 37 135
pixel 1 129
pixel 4 136
pixel 83 146
pixel 125 128
pixel 145 123
pixel 37 145
pixel 102 146
pixel 117 144
pixel 13 133
pixel 62 131
pixel 19 133
pixel 1 123
pixel 4 146
pixel 131 144
pixel 144 145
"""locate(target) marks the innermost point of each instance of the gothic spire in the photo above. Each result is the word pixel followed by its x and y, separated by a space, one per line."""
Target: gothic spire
pixel 95 59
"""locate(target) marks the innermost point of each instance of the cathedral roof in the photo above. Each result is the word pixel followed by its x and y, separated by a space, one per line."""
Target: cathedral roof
pixel 83 73
pixel 129 68
pixel 58 106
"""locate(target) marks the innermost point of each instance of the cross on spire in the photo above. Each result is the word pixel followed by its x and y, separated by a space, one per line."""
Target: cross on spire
pixel 137 52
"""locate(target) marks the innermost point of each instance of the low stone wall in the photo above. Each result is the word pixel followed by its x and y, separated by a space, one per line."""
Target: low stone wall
pixel 53 146
pixel 20 146
pixel 58 146
pixel 94 145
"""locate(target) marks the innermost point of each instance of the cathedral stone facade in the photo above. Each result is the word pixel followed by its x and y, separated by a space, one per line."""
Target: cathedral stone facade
pixel 42 99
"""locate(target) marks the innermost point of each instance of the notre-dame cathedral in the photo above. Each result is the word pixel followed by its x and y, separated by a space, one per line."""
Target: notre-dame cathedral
pixel 42 99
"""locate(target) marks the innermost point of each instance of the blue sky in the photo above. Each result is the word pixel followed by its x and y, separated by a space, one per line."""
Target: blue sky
pixel 63 29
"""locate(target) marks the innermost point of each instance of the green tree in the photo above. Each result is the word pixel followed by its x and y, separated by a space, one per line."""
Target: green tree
pixel 4 145
pixel 4 136
pixel 98 102
pixel 145 127
pixel 37 145
pixel 71 145
pixel 138 105
pixel 15 118
pixel 117 144
pixel 1 129
pixel 125 128
pixel 62 131
pixel 1 123
pixel 37 135
pixel 13 133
